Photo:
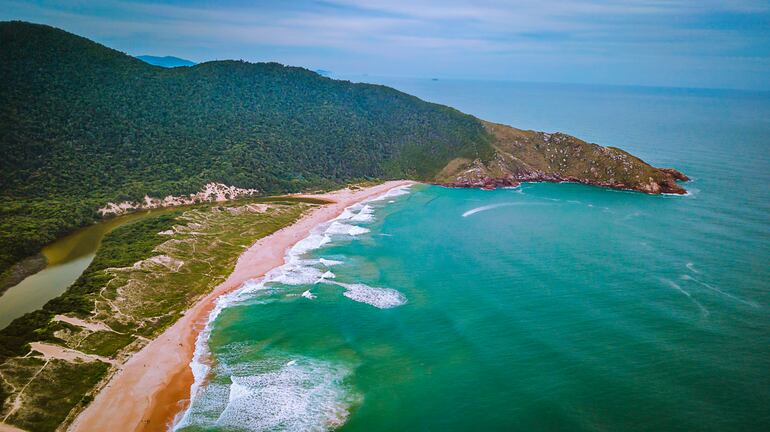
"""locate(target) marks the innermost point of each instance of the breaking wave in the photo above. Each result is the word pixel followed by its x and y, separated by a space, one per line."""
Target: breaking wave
pixel 395 192
pixel 274 394
pixel 339 228
pixel 383 298
pixel 328 262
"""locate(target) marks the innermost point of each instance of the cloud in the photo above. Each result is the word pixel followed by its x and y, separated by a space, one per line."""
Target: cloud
pixel 430 36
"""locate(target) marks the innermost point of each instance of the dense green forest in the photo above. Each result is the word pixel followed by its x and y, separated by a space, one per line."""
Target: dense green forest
pixel 82 124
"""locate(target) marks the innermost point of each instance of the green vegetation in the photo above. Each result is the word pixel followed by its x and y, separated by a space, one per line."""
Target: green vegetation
pixel 82 125
pixel 45 407
pixel 105 343
pixel 143 277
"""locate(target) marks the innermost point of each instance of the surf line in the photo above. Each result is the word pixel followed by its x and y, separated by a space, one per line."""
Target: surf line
pixel 318 236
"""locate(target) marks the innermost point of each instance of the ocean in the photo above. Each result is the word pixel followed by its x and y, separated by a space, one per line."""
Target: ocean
pixel 545 307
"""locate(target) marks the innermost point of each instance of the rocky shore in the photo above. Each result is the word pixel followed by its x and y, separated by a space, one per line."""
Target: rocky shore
pixel 669 184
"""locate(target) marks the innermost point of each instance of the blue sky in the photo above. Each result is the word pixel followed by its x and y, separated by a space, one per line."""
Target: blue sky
pixel 723 44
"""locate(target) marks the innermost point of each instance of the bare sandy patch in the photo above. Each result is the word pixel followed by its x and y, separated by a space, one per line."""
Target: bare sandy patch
pixel 50 351
pixel 88 325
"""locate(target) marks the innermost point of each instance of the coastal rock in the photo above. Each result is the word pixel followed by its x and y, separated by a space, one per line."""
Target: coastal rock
pixel 675 173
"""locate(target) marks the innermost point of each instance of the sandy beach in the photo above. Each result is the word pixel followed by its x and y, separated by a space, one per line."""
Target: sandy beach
pixel 154 384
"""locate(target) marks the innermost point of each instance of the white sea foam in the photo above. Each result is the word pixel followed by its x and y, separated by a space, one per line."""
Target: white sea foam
pixel 308 295
pixel 383 298
pixel 358 212
pixel 690 266
pixel 298 395
pixel 295 271
pixel 328 262
pixel 199 363
pixel 346 214
pixel 297 274
pixel 339 228
pixel 363 215
pixel 311 242
pixel 328 275
pixel 397 191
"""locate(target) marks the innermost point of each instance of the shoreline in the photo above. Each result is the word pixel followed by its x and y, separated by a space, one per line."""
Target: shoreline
pixel 153 386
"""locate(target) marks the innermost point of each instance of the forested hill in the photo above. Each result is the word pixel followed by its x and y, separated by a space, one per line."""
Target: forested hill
pixel 82 124
pixel 78 116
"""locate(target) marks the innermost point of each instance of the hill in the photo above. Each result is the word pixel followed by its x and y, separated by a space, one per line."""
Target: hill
pixel 167 61
pixel 82 125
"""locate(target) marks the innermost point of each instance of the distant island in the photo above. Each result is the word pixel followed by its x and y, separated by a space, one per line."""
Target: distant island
pixel 88 128
pixel 167 61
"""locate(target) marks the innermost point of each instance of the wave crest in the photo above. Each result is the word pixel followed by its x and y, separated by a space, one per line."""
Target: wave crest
pixel 383 298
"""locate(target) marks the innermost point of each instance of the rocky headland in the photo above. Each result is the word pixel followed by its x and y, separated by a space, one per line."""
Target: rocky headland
pixel 530 156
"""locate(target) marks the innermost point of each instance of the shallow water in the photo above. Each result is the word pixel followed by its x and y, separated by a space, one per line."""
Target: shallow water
pixel 547 307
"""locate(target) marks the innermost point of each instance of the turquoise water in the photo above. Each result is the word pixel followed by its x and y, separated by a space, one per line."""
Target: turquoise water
pixel 546 307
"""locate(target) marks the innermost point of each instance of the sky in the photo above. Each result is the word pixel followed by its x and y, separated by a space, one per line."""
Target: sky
pixel 677 43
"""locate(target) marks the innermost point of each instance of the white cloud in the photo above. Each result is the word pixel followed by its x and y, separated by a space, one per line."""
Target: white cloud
pixel 426 35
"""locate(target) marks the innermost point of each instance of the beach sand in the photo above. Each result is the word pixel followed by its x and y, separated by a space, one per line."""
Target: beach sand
pixel 154 384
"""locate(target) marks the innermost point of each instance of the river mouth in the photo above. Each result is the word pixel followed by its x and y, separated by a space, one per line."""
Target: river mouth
pixel 66 259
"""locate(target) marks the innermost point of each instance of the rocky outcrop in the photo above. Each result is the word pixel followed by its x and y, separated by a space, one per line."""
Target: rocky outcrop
pixel 530 156
pixel 675 174
pixel 212 192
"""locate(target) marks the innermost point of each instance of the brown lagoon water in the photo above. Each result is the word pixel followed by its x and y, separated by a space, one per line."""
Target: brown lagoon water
pixel 67 258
